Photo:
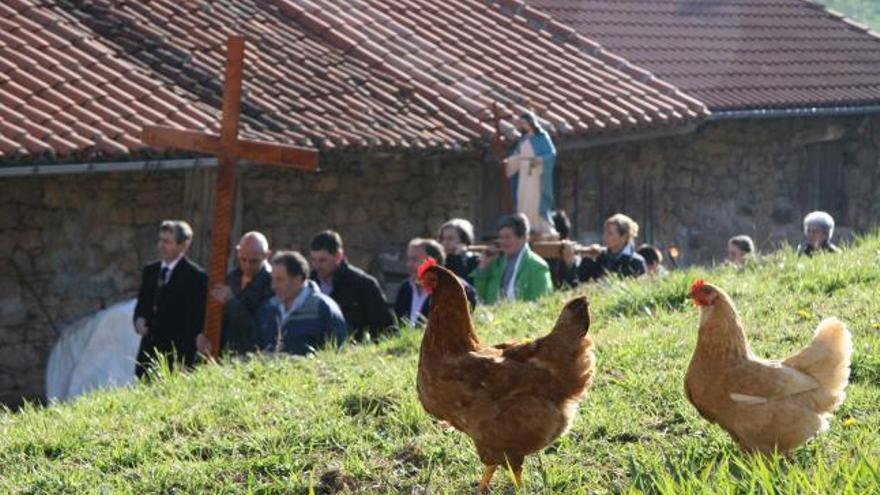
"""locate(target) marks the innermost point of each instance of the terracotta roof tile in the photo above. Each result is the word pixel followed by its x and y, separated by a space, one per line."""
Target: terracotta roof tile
pixel 389 73
pixel 80 114
pixel 736 54
pixel 54 97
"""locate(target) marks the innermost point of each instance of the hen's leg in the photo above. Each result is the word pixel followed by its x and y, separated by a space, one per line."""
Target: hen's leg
pixel 517 475
pixel 488 471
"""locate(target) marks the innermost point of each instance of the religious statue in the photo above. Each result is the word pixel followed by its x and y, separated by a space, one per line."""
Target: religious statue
pixel 530 170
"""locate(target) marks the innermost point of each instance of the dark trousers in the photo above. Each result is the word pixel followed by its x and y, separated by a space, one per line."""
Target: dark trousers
pixel 150 351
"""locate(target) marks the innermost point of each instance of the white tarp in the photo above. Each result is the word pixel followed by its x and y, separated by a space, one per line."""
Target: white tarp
pixel 95 352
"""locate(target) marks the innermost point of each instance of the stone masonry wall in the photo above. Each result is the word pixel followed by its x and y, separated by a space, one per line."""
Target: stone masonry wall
pixel 70 245
pixel 376 202
pixel 73 244
pixel 754 177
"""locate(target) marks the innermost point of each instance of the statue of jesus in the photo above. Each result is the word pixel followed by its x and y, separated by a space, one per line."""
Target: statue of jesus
pixel 530 170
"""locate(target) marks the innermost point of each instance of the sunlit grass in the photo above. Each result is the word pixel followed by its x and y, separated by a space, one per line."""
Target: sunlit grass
pixel 351 421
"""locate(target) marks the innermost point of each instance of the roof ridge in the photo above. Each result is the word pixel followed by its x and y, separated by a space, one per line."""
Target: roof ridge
pixel 852 23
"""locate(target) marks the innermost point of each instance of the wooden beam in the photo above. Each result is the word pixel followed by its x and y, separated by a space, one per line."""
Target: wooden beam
pixel 169 137
pixel 498 147
pixel 225 187
pixel 282 155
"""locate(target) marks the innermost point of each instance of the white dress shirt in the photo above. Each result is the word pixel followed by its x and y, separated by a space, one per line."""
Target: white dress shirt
pixel 170 265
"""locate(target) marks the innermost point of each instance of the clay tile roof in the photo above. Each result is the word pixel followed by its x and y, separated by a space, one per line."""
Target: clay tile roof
pixel 736 54
pixel 377 73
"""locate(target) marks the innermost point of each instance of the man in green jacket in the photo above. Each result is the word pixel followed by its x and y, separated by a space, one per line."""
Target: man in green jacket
pixel 514 272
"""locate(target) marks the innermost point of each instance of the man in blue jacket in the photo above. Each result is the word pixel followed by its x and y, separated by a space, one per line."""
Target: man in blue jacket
pixel 299 319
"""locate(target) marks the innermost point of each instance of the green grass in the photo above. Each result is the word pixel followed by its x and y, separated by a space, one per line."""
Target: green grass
pixel 863 11
pixel 351 421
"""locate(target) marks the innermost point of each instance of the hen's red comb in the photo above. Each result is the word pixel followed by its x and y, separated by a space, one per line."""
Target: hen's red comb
pixel 697 285
pixel 428 263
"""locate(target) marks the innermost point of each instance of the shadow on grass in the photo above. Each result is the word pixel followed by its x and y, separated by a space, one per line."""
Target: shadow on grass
pixel 335 481
pixel 373 405
pixel 865 369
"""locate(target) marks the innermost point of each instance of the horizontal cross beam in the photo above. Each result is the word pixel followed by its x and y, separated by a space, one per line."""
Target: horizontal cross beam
pixel 281 155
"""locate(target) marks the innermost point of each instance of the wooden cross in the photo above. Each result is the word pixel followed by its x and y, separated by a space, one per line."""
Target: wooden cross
pixel 229 149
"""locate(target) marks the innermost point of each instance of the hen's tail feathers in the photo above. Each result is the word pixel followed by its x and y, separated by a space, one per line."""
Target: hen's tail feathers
pixel 827 359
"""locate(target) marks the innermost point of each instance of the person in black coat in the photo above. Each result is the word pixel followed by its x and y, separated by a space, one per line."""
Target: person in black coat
pixel 563 275
pixel 362 301
pixel 170 310
pixel 246 289
pixel 618 256
pixel 456 236
pixel 412 303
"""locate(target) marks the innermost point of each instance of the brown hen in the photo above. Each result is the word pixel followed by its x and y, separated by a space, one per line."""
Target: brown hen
pixel 511 399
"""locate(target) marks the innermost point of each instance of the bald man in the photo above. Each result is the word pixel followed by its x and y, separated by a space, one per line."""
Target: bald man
pixel 246 289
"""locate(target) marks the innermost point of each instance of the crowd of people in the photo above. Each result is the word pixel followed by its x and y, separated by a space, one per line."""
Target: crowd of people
pixel 283 302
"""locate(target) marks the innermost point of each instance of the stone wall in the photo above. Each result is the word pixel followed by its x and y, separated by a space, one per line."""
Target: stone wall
pixel 377 202
pixel 70 245
pixel 755 177
pixel 73 244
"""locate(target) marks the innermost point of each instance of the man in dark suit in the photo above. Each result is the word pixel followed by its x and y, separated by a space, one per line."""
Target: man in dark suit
pixel 359 296
pixel 412 303
pixel 170 311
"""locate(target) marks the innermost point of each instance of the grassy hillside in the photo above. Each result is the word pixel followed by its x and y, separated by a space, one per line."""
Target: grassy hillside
pixel 864 11
pixel 351 421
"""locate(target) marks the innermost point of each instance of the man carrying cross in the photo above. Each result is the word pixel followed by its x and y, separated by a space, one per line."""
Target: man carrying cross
pixel 247 288
pixel 229 149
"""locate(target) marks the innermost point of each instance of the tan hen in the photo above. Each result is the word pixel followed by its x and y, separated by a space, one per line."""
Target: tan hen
pixel 764 405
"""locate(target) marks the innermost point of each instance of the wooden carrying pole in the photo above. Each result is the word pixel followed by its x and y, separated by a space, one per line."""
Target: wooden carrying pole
pixel 546 249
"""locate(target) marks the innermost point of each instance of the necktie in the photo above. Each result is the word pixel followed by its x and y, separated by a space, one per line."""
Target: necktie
pixel 163 274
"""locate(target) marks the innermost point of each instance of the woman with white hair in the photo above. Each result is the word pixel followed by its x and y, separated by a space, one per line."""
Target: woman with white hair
pixel 818 229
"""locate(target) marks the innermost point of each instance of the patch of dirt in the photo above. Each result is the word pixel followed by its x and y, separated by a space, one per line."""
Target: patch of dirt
pixel 335 481
pixel 624 437
pixel 411 455
pixel 402 350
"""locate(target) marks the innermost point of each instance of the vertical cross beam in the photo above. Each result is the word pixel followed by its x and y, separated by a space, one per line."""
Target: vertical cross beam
pixel 224 191
pixel 229 150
